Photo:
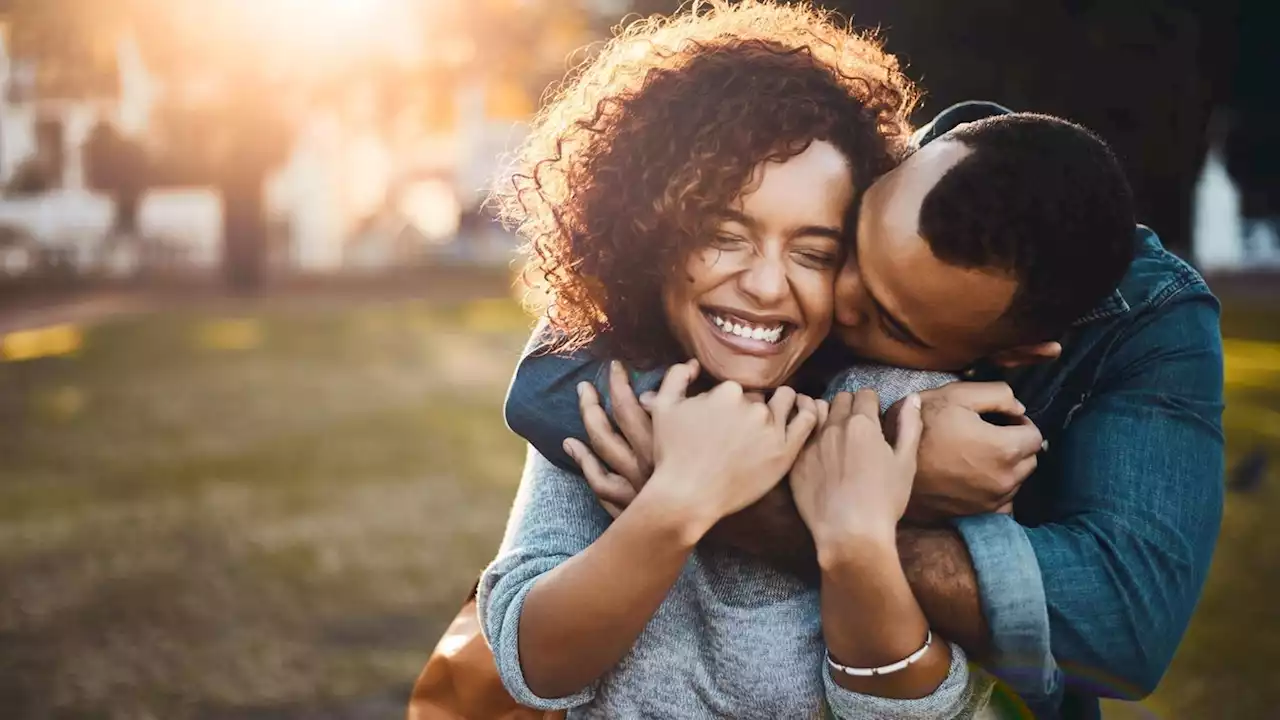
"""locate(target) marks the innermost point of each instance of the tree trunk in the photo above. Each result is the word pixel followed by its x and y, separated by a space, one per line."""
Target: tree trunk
pixel 244 258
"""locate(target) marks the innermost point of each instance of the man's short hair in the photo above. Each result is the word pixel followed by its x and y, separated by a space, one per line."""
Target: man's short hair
pixel 1043 199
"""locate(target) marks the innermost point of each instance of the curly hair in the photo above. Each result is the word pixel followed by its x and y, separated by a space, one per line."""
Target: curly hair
pixel 635 155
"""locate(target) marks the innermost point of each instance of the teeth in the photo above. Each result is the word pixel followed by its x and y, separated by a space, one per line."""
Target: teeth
pixel 771 335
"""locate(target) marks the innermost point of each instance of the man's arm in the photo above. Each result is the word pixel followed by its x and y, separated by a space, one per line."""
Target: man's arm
pixel 542 402
pixel 1135 519
pixel 941 574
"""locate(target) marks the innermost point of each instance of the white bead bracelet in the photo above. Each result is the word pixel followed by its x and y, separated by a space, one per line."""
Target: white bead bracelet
pixel 884 669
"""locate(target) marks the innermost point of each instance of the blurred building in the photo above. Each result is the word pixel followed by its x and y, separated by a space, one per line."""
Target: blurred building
pixel 362 183
pixel 49 214
pixel 46 203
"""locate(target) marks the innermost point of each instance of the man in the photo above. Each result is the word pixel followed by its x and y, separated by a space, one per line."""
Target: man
pixel 964 254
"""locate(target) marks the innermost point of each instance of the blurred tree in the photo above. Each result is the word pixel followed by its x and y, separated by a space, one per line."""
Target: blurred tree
pixel 1252 131
pixel 29 178
pixel 212 90
pixel 73 42
pixel 241 76
pixel 117 166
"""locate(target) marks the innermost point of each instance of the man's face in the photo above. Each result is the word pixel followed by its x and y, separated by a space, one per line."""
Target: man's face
pixel 897 303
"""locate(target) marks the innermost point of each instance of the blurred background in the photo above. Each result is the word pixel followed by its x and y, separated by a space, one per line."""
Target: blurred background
pixel 255 328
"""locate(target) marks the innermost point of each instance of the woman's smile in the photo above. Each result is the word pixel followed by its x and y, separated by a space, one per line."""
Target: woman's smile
pixel 755 300
pixel 748 335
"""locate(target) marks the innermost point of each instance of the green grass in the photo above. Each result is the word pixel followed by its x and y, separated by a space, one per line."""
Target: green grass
pixel 274 513
pixel 204 516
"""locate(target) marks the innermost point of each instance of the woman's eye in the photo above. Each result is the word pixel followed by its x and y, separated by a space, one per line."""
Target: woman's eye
pixel 818 259
pixel 727 242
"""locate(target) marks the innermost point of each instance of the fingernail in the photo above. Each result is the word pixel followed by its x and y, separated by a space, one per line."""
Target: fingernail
pixel 582 388
pixel 1044 446
pixel 1021 408
pixel 615 367
pixel 915 401
pixel 568 448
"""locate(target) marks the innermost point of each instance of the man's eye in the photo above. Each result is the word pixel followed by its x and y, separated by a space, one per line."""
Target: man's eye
pixel 893 333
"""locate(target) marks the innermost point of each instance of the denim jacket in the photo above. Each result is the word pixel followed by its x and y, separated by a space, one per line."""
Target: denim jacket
pixel 1089 587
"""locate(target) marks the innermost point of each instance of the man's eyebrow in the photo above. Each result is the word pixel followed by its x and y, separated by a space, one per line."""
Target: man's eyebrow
pixel 826 231
pixel 898 326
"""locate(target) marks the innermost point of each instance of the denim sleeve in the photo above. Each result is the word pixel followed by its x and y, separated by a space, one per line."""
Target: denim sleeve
pixel 1013 602
pixel 1122 563
pixel 542 400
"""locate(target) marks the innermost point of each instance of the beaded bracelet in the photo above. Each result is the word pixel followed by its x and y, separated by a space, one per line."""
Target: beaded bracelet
pixel 884 669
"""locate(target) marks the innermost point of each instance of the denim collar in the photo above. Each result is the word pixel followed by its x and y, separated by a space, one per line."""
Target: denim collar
pixel 1111 306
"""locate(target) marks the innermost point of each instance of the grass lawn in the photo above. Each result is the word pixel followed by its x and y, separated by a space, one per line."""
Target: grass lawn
pixel 273 513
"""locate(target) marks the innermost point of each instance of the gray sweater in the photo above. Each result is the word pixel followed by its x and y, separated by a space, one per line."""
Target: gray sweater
pixel 733 639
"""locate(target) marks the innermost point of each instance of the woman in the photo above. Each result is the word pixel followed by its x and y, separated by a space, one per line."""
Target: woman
pixel 689 191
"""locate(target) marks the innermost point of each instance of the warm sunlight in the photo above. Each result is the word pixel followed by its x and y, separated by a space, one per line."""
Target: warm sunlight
pixel 329 31
pixel 312 16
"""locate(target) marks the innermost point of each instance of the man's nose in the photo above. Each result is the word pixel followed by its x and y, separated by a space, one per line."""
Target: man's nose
pixel 765 281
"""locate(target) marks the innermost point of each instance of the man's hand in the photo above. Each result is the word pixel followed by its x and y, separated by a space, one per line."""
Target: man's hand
pixel 968 466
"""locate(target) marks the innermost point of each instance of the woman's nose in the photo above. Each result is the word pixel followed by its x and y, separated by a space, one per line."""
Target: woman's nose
pixel 765 281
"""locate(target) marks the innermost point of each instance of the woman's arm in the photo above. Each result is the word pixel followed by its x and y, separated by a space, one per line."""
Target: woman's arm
pixel 561 607
pixel 870 619
pixel 851 488
pixel 569 592
pixel 580 619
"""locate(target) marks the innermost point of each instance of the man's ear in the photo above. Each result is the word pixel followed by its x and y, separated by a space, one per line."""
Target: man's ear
pixel 1024 355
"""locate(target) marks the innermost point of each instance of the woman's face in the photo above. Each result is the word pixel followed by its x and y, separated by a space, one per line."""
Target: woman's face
pixel 756 300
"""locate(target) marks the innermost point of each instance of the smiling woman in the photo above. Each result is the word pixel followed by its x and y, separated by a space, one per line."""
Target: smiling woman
pixel 755 301
pixel 704 167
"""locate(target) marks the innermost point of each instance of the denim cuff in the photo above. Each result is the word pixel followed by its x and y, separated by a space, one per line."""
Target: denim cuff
pixel 642 381
pixel 1013 601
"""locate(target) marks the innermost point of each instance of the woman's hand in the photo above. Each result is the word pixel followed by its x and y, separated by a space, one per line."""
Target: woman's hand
pixel 849 483
pixel 717 453
pixel 627 455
